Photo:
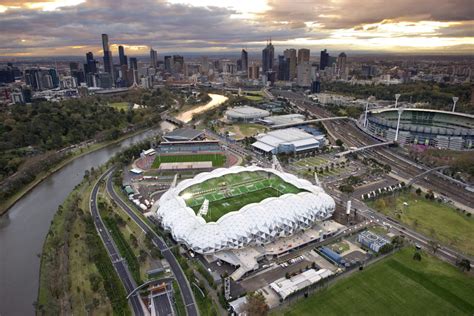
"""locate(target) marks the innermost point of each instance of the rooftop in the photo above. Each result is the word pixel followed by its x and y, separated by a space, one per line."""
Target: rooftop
pixel 185 133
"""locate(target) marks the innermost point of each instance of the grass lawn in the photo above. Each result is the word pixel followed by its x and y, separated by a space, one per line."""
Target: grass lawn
pixel 233 191
pixel 244 129
pixel 218 160
pixel 397 285
pixel 119 106
pixel 438 220
pixel 340 247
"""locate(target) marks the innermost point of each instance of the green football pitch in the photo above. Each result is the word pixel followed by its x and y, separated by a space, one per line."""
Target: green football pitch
pixel 397 285
pixel 218 160
pixel 231 192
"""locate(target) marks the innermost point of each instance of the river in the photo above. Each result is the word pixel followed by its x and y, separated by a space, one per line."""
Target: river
pixel 23 228
pixel 216 100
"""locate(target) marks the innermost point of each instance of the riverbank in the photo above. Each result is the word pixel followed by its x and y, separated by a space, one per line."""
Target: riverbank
pixel 11 201
pixel 216 100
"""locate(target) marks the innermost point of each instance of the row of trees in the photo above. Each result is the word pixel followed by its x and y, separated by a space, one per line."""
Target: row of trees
pixel 439 96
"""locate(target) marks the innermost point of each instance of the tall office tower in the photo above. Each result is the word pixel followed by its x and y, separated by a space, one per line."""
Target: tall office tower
pixel 244 57
pixel 290 54
pixel 153 58
pixel 204 65
pixel 268 54
pixel 122 56
pixel 283 68
pixel 178 63
pixel 108 63
pixel 133 63
pixel 168 64
pixel 133 71
pixel 342 65
pixel 324 60
pixel 91 64
pixel 303 55
pixel 253 72
pixel 304 74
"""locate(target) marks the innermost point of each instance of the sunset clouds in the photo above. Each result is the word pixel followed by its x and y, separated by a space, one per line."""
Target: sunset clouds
pixel 72 27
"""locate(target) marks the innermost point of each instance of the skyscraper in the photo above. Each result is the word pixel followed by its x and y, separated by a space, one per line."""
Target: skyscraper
pixel 91 65
pixel 122 56
pixel 108 64
pixel 268 54
pixel 304 74
pixel 244 57
pixel 178 63
pixel 153 58
pixel 324 60
pixel 168 63
pixel 290 54
pixel 133 63
pixel 283 68
pixel 303 55
pixel 253 72
pixel 341 65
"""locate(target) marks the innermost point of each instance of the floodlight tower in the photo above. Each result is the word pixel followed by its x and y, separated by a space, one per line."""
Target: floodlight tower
pixel 366 109
pixel 397 96
pixel 455 100
pixel 400 111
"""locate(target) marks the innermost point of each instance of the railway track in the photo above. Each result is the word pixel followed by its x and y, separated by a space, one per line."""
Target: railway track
pixel 352 136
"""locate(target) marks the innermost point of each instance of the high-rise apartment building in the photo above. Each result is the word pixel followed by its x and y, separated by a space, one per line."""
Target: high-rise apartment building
pixel 244 57
pixel 303 55
pixel 108 62
pixel 324 60
pixel 153 58
pixel 290 54
pixel 122 56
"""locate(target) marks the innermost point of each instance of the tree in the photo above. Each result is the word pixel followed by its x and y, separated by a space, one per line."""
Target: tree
pixel 386 248
pixel 417 256
pixel 339 142
pixel 398 241
pixel 418 191
pixel 256 304
pixel 464 265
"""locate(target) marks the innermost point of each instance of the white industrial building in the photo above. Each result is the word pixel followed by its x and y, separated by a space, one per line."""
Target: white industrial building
pixel 289 140
pixel 245 114
pixel 254 224
pixel 285 287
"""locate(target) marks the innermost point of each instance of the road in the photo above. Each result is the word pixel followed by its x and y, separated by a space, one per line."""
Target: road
pixel 184 286
pixel 119 263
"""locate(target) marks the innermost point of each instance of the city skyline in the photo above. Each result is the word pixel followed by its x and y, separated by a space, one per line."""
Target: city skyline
pixel 69 27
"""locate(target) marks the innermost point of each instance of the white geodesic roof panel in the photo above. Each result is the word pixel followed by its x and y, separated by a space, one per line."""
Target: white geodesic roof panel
pixel 256 223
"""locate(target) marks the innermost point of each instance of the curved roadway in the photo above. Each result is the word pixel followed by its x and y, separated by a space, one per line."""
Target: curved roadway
pixel 119 263
pixel 184 286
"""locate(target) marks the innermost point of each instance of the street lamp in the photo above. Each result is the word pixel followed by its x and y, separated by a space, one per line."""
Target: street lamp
pixel 400 111
pixel 397 96
pixel 455 100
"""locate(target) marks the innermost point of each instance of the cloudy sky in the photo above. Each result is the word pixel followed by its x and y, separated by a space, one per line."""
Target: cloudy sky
pixel 73 27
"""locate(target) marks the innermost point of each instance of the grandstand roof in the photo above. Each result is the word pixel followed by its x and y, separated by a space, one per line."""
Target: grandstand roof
pixel 470 116
pixel 183 134
pixel 255 223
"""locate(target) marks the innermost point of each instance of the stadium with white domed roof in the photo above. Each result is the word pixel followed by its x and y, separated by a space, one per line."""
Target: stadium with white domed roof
pixel 231 208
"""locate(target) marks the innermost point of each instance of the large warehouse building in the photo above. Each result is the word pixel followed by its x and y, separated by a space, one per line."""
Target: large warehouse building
pixel 289 140
pixel 245 114
pixel 440 129
pixel 240 206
